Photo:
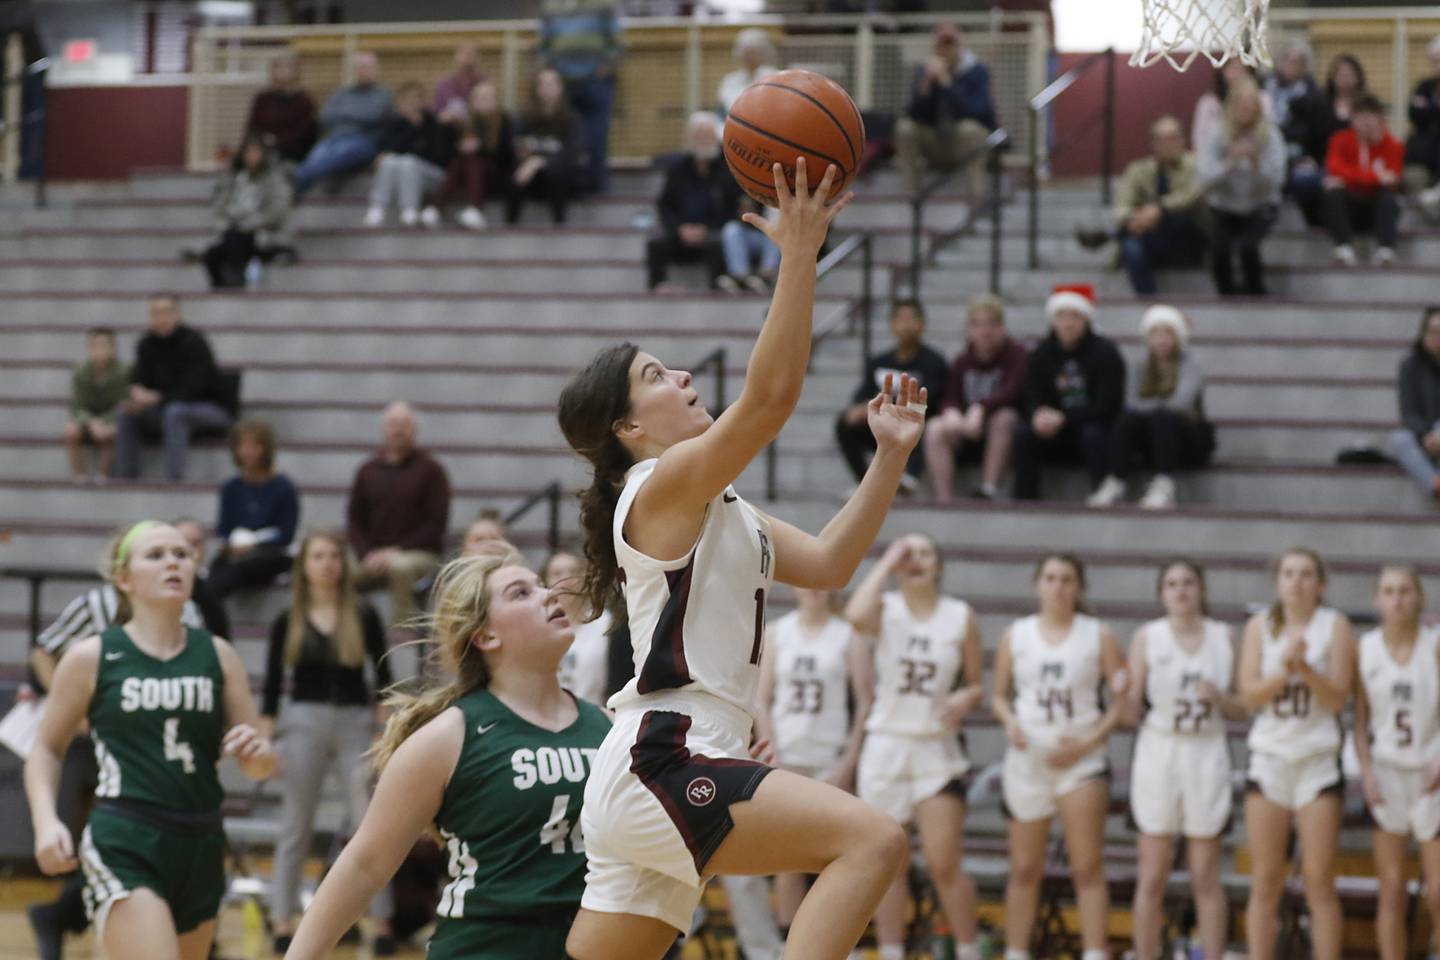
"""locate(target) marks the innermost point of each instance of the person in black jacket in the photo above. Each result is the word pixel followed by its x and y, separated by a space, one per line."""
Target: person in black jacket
pixel 174 388
pixel 547 151
pixel 699 197
pixel 910 355
pixel 415 149
pixel 950 113
pixel 1074 391
pixel 1422 150
pixel 1416 443
pixel 1310 121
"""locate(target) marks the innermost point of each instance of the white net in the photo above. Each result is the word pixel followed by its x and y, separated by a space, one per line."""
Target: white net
pixel 1179 31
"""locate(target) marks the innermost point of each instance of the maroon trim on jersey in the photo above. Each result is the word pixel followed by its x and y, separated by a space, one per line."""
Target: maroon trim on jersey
pixel 665 667
pixel 696 791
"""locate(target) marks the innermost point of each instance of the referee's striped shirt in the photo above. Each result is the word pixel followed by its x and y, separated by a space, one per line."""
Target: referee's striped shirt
pixel 89 614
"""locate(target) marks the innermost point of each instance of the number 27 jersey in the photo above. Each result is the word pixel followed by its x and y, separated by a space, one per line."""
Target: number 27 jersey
pixel 917 664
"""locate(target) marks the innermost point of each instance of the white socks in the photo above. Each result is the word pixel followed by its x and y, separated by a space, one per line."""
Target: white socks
pixel 1012 953
pixel 1095 955
pixel 892 952
pixel 967 951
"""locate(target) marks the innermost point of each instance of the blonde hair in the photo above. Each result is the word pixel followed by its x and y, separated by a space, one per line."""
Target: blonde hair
pixel 349 635
pixel 460 607
pixel 117 558
pixel 989 304
pixel 1277 609
pixel 1405 570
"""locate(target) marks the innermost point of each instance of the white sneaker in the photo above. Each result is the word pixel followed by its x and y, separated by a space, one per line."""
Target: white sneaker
pixel 1384 257
pixel 727 283
pixel 430 217
pixel 908 485
pixel 410 217
pixel 1430 203
pixel 1160 495
pixel 374 217
pixel 1107 493
pixel 1344 254
pixel 472 218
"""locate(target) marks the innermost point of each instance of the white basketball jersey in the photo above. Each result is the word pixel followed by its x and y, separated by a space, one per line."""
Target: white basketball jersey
pixel 586 665
pixel 1172 677
pixel 812 686
pixel 697 623
pixel 1057 687
pixel 917 664
pixel 1404 700
pixel 1294 725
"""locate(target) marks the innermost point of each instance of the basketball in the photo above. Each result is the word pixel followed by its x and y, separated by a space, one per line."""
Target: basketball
pixel 790 114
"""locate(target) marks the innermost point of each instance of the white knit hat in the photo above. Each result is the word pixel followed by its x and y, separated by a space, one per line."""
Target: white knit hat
pixel 1164 315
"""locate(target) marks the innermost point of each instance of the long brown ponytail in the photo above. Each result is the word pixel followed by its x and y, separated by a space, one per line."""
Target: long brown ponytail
pixel 590 405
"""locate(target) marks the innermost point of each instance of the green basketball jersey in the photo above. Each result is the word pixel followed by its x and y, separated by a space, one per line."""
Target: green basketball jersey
pixel 157 725
pixel 510 816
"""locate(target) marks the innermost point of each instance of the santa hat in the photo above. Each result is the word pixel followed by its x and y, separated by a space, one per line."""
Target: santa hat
pixel 1164 315
pixel 1079 297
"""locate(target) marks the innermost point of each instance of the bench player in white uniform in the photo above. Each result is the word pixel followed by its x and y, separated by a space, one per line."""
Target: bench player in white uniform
pixel 807 684
pixel 674 798
pixel 926 667
pixel 1050 669
pixel 1297 665
pixel 1397 739
pixel 585 668
pixel 1182 669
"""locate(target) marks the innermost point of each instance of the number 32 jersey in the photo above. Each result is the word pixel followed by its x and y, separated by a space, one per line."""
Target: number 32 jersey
pixel 1057 687
pixel 1404 699
pixel 1173 677
pixel 917 664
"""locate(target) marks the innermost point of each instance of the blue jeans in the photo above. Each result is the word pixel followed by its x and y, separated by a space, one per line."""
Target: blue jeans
pixel 1176 241
pixel 592 99
pixel 334 155
pixel 174 421
pixel 1405 447
pixel 744 244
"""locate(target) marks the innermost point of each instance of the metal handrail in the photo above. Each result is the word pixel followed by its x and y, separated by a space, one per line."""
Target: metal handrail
pixel 863 307
pixel 550 495
pixel 36 577
pixel 715 358
pixel 990 149
pixel 1042 101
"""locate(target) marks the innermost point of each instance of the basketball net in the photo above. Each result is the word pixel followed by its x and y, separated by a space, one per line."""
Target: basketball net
pixel 1179 31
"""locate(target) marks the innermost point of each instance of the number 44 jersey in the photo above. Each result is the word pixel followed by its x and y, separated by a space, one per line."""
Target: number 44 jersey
pixel 917 664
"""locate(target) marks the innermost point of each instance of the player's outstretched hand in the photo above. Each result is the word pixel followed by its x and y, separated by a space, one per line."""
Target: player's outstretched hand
pixel 898 424
pixel 805 217
pixel 55 850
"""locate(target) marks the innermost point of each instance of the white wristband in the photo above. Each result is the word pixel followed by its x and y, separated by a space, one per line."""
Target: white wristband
pixel 917 407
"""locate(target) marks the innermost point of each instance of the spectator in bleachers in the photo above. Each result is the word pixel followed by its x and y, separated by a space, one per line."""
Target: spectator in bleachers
pixel 415 149
pixel 581 41
pixel 1164 419
pixel 97 388
pixel 451 101
pixel 1300 110
pixel 251 203
pixel 1242 170
pixel 351 122
pixel 259 512
pixel 1292 82
pixel 397 514
pixel 484 157
pixel 175 387
pixel 1320 118
pixel 1422 150
pixel 322 640
pixel 911 355
pixel 487 527
pixel 949 114
pixel 698 199
pixel 976 420
pixel 1157 209
pixel 751 258
pixel 1074 389
pixel 756 52
pixel 547 141
pixel 1210 108
pixel 1416 444
pixel 212 610
pixel 283 115
pixel 1363 168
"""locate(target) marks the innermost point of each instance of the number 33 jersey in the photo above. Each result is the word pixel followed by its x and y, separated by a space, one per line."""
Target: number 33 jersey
pixel 917 664
pixel 1173 678
pixel 1404 699
pixel 1294 725
pixel 1057 686
pixel 812 690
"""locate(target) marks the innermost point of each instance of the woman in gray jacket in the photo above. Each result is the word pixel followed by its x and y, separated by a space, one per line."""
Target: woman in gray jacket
pixel 1416 444
pixel 1164 418
pixel 1242 170
pixel 251 203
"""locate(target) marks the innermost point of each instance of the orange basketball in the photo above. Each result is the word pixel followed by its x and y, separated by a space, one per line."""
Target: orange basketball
pixel 787 115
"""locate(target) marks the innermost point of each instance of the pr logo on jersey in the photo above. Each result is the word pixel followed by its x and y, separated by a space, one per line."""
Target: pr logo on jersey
pixel 700 792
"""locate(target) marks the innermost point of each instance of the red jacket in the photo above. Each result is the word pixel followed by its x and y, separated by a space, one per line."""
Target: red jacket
pixel 1354 162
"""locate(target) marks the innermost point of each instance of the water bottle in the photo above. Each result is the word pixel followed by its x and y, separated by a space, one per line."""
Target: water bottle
pixel 254 272
pixel 942 947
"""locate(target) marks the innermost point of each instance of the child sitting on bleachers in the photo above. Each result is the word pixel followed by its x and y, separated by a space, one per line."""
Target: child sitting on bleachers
pixel 96 388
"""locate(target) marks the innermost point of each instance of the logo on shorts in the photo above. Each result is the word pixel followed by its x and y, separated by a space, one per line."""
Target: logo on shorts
pixel 701 791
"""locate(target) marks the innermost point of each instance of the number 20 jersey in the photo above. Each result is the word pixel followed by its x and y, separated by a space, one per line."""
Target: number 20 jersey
pixel 1057 687
pixel 1293 725
pixel 917 664
pixel 1172 678
pixel 1404 699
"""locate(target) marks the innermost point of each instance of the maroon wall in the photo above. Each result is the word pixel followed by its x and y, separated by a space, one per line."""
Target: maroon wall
pixel 100 133
pixel 1140 97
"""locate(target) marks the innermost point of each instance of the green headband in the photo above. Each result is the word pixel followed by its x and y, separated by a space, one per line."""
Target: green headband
pixel 127 542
